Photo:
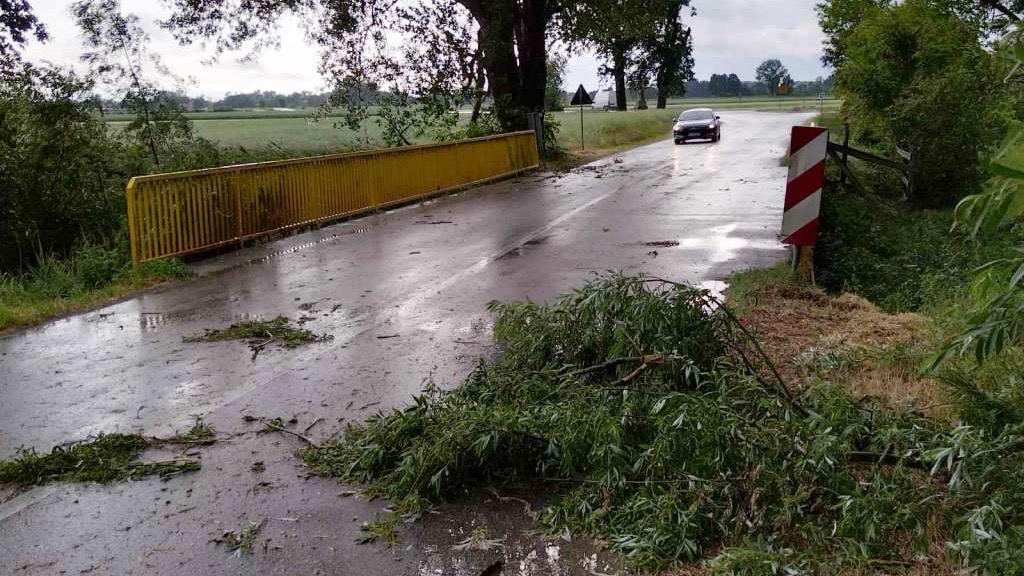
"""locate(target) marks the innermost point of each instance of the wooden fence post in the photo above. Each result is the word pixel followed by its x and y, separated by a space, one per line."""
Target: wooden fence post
pixel 804 263
pixel 846 143
pixel 908 160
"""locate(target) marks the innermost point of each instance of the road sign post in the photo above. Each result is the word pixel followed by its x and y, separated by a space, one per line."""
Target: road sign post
pixel 782 90
pixel 581 98
pixel 807 150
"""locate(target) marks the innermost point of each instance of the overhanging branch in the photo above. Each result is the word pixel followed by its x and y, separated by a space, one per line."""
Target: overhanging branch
pixel 999 7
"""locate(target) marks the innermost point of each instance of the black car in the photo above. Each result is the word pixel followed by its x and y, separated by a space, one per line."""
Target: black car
pixel 700 123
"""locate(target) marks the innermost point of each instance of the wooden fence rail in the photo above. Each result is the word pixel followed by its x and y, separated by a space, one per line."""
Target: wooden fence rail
pixel 841 152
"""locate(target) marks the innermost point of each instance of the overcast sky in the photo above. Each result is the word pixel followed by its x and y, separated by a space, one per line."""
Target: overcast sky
pixel 730 36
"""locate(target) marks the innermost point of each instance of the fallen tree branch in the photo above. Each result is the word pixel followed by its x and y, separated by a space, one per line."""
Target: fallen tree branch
pixel 274 426
pixel 616 362
pixel 887 458
pixel 646 361
pixel 999 7
pixel 629 377
pixel 780 386
pixel 258 347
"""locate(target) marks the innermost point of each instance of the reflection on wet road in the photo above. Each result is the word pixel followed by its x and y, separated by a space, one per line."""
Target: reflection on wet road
pixel 422 274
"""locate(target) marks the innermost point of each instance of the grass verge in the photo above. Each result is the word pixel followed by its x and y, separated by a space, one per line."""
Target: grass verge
pixel 813 336
pixel 912 264
pixel 58 287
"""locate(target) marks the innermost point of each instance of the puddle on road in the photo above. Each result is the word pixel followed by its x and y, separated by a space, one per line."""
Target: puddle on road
pixel 466 538
pixel 155 320
pixel 716 287
pixel 723 246
pixel 524 248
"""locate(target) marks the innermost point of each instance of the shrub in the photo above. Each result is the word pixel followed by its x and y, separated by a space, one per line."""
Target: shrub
pixel 950 119
pixel 59 184
pixel 552 149
pixel 917 76
pixel 97 265
pixel 899 258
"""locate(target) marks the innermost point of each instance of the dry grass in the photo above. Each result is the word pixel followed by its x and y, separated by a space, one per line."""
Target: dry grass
pixel 809 334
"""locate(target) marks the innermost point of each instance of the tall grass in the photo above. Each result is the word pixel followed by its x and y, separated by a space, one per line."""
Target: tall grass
pixel 91 276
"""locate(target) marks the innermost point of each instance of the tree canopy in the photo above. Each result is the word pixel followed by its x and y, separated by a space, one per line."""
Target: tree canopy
pixel 838 19
pixel 917 75
pixel 17 24
pixel 671 50
pixel 641 35
pixel 509 45
pixel 773 74
pixel 725 85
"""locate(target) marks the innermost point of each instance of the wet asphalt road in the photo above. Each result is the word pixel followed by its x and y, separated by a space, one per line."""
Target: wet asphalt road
pixel 404 295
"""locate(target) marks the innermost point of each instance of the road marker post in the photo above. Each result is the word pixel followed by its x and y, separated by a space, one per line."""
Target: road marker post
pixel 581 98
pixel 804 186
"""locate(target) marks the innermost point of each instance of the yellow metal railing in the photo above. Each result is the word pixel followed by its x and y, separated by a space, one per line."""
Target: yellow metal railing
pixel 188 212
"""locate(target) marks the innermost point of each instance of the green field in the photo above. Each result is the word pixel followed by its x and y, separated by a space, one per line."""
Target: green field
pixel 294 135
pixel 295 132
pixel 608 130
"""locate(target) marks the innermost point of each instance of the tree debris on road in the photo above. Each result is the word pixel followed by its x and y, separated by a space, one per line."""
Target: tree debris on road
pixel 259 334
pixel 641 402
pixel 104 459
pixel 243 540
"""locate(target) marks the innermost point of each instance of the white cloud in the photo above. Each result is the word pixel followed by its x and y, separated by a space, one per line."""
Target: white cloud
pixel 290 67
pixel 734 36
pixel 730 36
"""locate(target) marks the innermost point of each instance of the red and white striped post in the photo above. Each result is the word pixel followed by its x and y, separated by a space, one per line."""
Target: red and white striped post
pixel 803 193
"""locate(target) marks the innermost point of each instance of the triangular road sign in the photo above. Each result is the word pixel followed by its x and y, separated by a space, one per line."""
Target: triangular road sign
pixel 582 97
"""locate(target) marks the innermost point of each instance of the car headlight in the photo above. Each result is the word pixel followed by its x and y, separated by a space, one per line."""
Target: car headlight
pixel 711 126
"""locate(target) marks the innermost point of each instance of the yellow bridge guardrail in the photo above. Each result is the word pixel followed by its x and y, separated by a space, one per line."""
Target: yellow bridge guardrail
pixel 188 212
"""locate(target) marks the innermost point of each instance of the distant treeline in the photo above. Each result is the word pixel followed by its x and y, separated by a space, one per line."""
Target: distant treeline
pixel 251 100
pixel 717 85
pixel 731 85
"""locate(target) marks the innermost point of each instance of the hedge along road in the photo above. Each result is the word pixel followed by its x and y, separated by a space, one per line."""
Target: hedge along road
pixel 404 295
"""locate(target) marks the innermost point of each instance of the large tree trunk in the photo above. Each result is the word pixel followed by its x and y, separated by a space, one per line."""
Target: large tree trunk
pixel 661 80
pixel 516 84
pixel 619 71
pixel 478 95
pixel 533 53
pixel 497 33
pixel 669 64
pixel 479 81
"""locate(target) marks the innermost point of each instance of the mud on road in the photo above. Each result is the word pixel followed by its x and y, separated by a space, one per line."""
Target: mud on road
pixel 404 295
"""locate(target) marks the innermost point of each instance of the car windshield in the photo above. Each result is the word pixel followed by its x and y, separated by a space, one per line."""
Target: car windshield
pixel 696 115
